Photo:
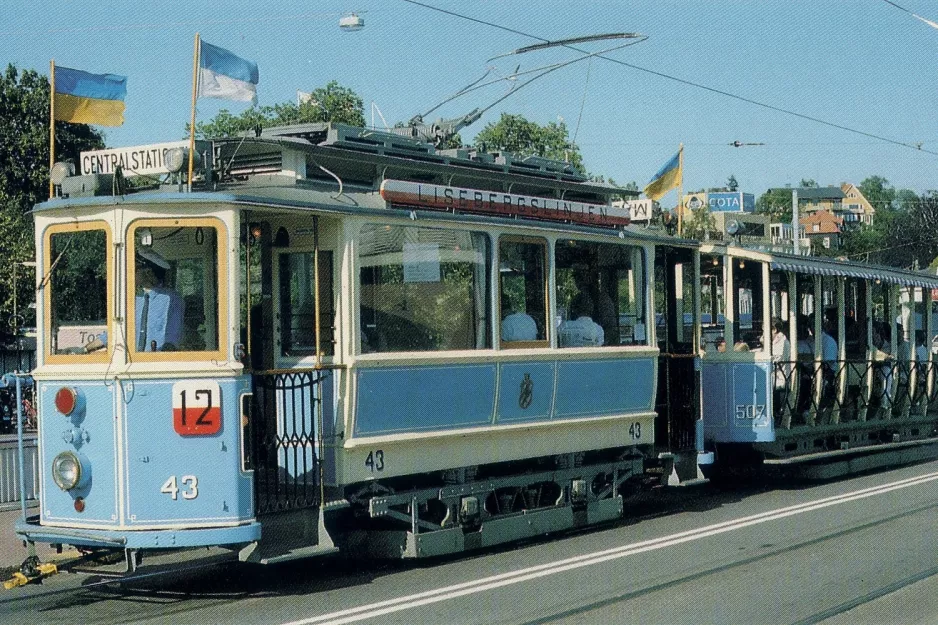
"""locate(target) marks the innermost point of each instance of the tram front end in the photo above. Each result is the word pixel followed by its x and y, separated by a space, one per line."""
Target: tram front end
pixel 138 385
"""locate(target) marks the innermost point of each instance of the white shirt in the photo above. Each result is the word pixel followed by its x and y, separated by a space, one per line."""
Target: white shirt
pixel 583 332
pixel 781 353
pixel 519 326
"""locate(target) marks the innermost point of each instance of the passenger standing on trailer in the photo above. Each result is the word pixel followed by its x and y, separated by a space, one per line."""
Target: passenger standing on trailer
pixel 883 355
pixel 781 356
pixel 805 366
pixel 828 368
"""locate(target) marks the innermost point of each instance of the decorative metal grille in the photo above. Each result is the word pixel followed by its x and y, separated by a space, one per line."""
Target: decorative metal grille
pixel 285 436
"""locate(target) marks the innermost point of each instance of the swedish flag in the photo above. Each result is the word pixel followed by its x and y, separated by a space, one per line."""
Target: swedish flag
pixel 667 178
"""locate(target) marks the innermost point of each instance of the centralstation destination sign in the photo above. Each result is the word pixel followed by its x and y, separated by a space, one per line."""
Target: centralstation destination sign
pixel 440 197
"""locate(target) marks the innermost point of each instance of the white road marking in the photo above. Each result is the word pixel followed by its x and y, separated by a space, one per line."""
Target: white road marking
pixel 437 595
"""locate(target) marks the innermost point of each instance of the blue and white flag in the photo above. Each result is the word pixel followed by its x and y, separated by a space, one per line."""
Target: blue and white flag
pixel 226 75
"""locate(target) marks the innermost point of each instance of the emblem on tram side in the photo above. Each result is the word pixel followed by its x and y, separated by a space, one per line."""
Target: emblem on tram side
pixel 527 391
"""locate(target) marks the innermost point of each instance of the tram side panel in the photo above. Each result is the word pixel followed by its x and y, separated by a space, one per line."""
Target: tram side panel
pixel 570 405
pixel 737 402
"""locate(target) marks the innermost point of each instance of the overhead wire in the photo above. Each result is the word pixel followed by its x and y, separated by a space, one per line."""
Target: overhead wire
pixel 765 105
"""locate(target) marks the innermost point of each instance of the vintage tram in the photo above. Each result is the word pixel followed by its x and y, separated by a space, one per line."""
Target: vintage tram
pixel 338 338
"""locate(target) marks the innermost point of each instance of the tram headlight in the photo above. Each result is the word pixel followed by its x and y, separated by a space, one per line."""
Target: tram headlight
pixel 66 470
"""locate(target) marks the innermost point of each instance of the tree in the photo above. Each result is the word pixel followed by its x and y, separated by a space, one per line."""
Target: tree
pixel 808 183
pixel 776 203
pixel 516 134
pixel 699 224
pixel 24 170
pixel 332 103
pixel 878 192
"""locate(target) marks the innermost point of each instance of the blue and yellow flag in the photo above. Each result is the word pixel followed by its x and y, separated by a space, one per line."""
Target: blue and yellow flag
pixel 83 98
pixel 667 178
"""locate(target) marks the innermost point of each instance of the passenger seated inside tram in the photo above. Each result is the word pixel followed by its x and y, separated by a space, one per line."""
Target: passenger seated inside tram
pixel 519 326
pixel 720 344
pixel 158 310
pixel 580 330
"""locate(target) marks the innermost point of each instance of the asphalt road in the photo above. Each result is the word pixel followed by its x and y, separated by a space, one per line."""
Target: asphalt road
pixel 859 550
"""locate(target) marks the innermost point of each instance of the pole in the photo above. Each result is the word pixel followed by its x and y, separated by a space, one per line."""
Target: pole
pixel 795 235
pixel 680 192
pixel 51 125
pixel 195 95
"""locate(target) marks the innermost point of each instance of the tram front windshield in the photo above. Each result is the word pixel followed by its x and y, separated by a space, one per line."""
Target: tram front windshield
pixel 175 288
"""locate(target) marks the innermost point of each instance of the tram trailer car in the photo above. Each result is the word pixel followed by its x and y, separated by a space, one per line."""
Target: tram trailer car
pixel 827 367
pixel 347 339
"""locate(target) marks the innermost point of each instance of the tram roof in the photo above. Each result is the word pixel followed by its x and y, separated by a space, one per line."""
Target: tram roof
pixel 822 266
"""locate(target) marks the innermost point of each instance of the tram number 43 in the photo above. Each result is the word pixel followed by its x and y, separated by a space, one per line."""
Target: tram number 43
pixel 190 487
pixel 375 460
pixel 635 431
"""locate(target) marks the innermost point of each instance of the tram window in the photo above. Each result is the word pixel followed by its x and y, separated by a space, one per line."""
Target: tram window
pixel 747 282
pixel 76 270
pixel 712 302
pixel 522 287
pixel 423 289
pixel 298 304
pixel 175 303
pixel 599 294
pixel 855 319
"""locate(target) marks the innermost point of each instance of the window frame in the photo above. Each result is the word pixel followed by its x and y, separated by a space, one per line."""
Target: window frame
pixel 637 255
pixel 221 268
pixel 357 327
pixel 548 271
pixel 278 277
pixel 100 356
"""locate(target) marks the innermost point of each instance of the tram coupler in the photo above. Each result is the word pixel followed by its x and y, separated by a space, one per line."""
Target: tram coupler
pixel 31 571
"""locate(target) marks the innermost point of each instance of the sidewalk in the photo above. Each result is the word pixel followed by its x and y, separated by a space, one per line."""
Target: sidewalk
pixel 12 551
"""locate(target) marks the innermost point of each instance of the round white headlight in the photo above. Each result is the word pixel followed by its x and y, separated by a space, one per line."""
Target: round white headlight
pixel 66 470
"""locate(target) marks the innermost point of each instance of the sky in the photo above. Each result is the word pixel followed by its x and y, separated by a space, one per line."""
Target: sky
pixel 864 67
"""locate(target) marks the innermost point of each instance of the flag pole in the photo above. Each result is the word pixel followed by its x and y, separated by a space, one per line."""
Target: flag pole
pixel 51 125
pixel 680 192
pixel 195 95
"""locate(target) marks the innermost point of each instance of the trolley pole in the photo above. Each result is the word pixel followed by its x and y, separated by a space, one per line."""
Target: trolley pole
pixel 794 222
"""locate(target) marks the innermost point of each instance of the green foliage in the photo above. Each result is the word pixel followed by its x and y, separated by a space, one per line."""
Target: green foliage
pixel 24 171
pixel 808 183
pixel 332 103
pixel 514 133
pixel 776 203
pixel 698 223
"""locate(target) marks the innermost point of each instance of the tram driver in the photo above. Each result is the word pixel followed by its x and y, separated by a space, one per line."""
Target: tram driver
pixel 158 309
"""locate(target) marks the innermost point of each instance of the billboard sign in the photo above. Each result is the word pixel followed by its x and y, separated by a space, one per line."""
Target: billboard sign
pixel 731 201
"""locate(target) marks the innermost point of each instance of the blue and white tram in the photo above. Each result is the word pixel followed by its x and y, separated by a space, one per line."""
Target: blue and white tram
pixel 340 339
pixel 816 363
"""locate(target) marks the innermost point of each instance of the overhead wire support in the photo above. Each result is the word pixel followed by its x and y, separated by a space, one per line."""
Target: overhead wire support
pixel 683 81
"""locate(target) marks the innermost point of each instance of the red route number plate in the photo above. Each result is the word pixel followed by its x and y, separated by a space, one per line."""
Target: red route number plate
pixel 196 408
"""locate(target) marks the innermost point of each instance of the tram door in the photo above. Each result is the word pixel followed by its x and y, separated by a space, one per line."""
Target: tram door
pixel 676 323
pixel 290 391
